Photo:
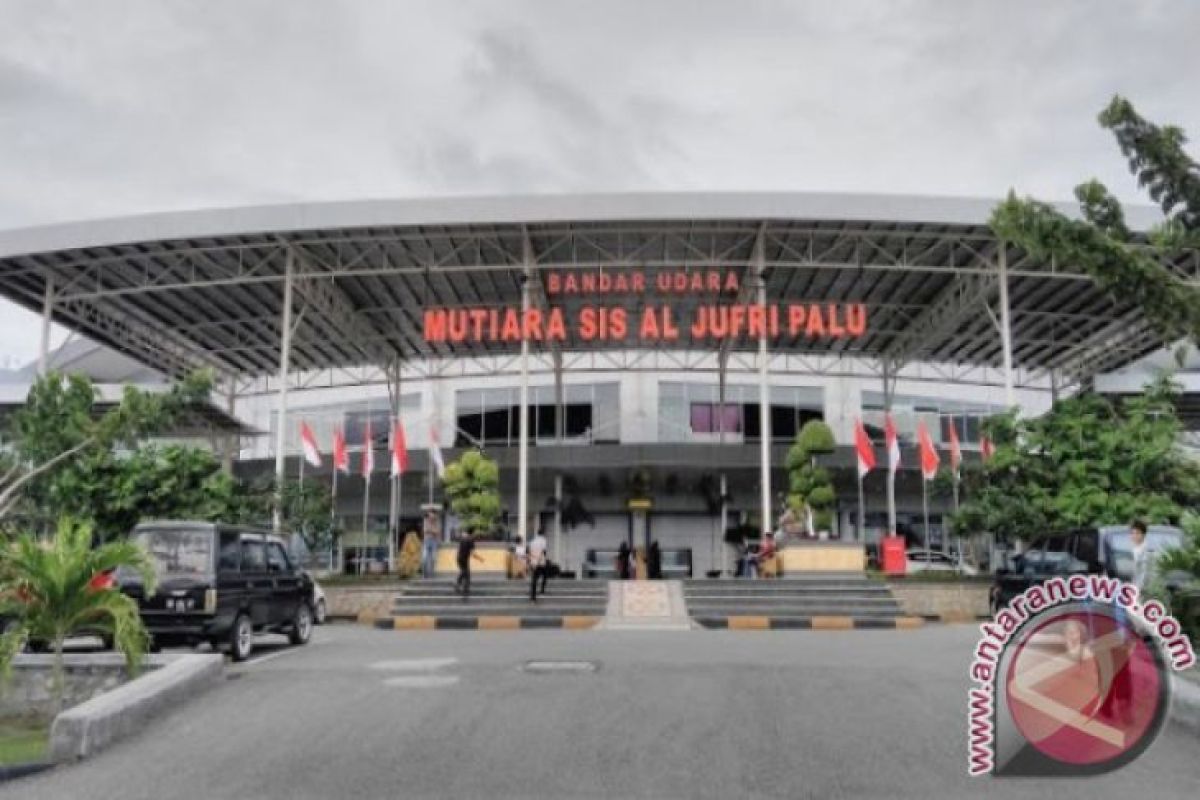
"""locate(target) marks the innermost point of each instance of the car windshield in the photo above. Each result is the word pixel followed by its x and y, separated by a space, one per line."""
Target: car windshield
pixel 178 551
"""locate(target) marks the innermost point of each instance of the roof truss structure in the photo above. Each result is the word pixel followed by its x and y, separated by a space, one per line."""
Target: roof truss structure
pixel 216 300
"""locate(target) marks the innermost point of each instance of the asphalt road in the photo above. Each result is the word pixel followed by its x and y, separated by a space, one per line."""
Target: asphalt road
pixel 361 713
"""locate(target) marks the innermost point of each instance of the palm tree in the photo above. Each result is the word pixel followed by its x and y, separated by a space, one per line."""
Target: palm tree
pixel 53 588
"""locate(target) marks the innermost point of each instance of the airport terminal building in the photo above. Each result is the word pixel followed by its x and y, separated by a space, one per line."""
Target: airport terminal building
pixel 591 343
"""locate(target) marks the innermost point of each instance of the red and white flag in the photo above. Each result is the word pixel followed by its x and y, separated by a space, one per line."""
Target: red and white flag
pixel 312 454
pixel 341 458
pixel 399 449
pixel 435 452
pixel 955 450
pixel 986 448
pixel 866 453
pixel 929 453
pixel 893 443
pixel 368 453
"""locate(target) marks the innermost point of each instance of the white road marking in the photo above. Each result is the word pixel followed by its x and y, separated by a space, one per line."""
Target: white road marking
pixel 421 681
pixel 278 653
pixel 414 664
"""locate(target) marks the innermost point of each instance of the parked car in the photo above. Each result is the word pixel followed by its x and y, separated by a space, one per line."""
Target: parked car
pixel 922 560
pixel 1097 551
pixel 320 607
pixel 220 584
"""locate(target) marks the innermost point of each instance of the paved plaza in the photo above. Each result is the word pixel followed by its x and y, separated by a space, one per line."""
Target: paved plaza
pixel 701 714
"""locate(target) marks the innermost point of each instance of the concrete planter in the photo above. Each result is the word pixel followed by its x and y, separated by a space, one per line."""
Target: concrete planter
pixel 948 602
pixel 103 705
pixel 495 564
pixel 361 602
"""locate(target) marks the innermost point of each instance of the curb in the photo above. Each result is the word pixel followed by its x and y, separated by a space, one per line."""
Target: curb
pixel 90 727
pixel 956 619
pixel 1185 703
pixel 483 623
pixel 753 623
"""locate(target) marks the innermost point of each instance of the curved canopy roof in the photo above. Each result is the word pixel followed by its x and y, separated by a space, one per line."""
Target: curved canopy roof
pixel 180 290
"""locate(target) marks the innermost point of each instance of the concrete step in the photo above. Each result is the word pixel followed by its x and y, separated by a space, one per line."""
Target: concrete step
pixel 489 602
pixel 526 610
pixel 831 622
pixel 501 591
pixel 812 611
pixel 694 606
pixel 798 594
pixel 785 582
pixel 599 585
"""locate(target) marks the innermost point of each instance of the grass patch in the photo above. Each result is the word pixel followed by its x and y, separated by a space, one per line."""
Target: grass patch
pixel 23 740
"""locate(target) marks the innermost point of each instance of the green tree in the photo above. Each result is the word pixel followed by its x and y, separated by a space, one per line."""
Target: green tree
pixel 1088 461
pixel 473 487
pixel 809 485
pixel 307 510
pixel 54 436
pixel 1103 246
pixel 53 589
pixel 116 490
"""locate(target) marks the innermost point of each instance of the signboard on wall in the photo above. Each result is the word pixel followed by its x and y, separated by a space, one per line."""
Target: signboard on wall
pixel 605 320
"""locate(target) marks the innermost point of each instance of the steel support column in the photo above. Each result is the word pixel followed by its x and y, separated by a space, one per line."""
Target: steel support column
pixel 888 386
pixel 47 317
pixel 558 500
pixel 523 437
pixel 1010 397
pixel 285 348
pixel 764 390
pixel 394 484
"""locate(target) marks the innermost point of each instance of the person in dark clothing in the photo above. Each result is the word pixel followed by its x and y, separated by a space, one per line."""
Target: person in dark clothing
pixel 466 551
pixel 654 561
pixel 623 561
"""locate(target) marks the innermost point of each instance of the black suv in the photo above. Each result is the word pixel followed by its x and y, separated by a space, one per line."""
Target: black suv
pixel 1092 551
pixel 220 584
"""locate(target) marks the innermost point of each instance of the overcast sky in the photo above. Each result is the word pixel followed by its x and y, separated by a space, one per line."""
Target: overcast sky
pixel 117 107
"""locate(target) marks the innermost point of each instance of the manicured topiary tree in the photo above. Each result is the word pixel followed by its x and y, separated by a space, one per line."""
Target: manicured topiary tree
pixel 809 485
pixel 473 487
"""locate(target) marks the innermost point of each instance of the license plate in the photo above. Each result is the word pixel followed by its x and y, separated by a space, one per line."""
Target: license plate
pixel 180 603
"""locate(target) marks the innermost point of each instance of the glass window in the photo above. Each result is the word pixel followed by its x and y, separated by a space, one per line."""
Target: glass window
pixel 356 426
pixel 277 560
pixel 229 557
pixel 253 557
pixel 179 551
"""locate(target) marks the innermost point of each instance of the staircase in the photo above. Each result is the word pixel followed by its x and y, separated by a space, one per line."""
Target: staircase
pixel 498 604
pixel 819 601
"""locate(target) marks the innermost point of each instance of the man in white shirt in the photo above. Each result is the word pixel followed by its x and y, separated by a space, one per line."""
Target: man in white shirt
pixel 538 565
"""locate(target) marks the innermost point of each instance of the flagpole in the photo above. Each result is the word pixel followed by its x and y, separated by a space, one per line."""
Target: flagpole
pixel 862 511
pixel 925 507
pixel 366 512
pixel 300 493
pixel 333 520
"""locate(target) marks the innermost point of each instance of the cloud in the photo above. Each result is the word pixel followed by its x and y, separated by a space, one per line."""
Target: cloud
pixel 173 105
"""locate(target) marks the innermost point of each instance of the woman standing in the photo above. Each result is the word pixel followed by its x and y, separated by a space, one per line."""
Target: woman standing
pixel 623 554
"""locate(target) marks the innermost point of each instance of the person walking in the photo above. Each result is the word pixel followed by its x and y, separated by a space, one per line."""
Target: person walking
pixel 539 567
pixel 429 544
pixel 466 552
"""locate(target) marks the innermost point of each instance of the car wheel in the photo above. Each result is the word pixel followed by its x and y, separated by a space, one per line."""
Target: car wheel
pixel 241 638
pixel 302 625
pixel 321 613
